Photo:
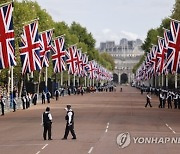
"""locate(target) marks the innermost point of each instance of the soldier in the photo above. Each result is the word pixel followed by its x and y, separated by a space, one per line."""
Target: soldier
pixel 148 98
pixel 175 100
pixel 161 100
pixel 34 99
pixel 47 122
pixel 70 123
pixel 2 102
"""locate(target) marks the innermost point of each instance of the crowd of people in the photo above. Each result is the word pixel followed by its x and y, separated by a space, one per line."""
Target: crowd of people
pixel 167 98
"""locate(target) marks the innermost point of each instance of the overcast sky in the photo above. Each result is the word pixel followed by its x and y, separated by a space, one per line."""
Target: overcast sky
pixel 111 19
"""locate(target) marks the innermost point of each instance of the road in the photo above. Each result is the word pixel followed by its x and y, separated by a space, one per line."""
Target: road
pixel 99 118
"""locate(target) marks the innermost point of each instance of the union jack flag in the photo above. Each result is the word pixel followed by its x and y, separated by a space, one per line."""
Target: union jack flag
pixel 29 48
pixel 7 44
pixel 45 47
pixel 91 69
pixel 153 60
pixel 173 54
pixel 59 54
pixel 71 61
pixel 79 62
pixel 84 65
pixel 161 55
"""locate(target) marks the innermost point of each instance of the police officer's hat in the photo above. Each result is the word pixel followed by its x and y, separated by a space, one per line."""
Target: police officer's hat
pixel 48 109
pixel 68 106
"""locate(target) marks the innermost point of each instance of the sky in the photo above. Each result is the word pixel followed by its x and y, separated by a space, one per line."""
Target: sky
pixel 111 20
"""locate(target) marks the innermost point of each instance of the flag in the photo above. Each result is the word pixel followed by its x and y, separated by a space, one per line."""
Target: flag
pixel 161 55
pixel 173 54
pixel 84 65
pixel 71 61
pixel 59 53
pixel 79 62
pixel 45 47
pixel 91 69
pixel 29 48
pixel 7 44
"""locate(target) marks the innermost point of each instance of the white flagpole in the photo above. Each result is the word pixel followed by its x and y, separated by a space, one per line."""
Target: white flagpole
pixel 61 78
pixel 12 83
pixel 46 80
pixel 74 80
pixel 166 80
pixel 162 80
pixel 176 81
pixel 93 82
pixel 85 81
pixel 69 79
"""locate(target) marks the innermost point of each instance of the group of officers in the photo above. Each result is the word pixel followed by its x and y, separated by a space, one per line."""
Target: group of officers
pixel 47 123
pixel 168 97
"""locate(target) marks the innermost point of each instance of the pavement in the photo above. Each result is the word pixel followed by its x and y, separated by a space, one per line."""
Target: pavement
pixel 105 123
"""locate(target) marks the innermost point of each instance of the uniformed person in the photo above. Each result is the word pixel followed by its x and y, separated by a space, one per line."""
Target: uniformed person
pixel 148 98
pixel 69 123
pixel 169 100
pixel 57 93
pixel 43 97
pixel 47 122
pixel 2 102
pixel 48 95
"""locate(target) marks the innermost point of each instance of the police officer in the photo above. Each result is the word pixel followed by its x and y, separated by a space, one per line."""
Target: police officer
pixel 57 94
pixel 47 122
pixel 148 98
pixel 2 102
pixel 48 95
pixel 70 123
pixel 43 97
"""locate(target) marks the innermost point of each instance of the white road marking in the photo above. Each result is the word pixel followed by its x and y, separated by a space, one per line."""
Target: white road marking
pixel 106 130
pixel 38 152
pixel 44 146
pixel 90 150
pixel 170 128
pixel 22 145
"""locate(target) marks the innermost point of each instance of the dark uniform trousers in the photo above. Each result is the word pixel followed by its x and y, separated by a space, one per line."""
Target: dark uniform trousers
pixel 47 128
pixel 71 129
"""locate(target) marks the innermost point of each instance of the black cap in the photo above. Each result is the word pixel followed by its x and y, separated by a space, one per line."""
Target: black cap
pixel 48 109
pixel 68 106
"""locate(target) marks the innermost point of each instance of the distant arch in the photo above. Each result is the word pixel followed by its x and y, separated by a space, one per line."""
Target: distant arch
pixel 115 78
pixel 124 78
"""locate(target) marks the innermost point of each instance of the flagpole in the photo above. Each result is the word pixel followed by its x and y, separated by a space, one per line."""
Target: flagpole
pixel 61 78
pixel 46 89
pixel 12 85
pixel 176 80
pixel 167 81
pixel 162 80
pixel 85 81
pixel 69 79
pixel 74 80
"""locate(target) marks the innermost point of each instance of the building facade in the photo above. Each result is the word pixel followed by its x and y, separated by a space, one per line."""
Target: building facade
pixel 126 55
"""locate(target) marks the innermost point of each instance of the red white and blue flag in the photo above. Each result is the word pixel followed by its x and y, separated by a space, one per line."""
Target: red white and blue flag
pixel 7 44
pixel 45 47
pixel 84 65
pixel 173 54
pixel 79 62
pixel 59 55
pixel 71 61
pixel 161 56
pixel 91 69
pixel 29 48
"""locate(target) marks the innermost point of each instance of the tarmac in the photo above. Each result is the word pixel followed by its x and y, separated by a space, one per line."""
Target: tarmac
pixel 105 123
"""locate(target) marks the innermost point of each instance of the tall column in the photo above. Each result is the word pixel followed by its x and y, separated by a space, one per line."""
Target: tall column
pixel 119 78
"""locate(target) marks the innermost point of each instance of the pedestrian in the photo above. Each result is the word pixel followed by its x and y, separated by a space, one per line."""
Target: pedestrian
pixel 142 90
pixel 161 100
pixel 48 95
pixel 175 101
pixel 169 100
pixel 69 123
pixel 47 123
pixel 148 98
pixel 34 98
pixel 57 94
pixel 43 97
pixel 2 102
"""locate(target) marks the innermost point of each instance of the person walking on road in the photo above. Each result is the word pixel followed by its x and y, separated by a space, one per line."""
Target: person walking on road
pixel 57 93
pixel 69 123
pixel 47 123
pixel 2 102
pixel 148 98
pixel 43 97
pixel 48 95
